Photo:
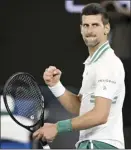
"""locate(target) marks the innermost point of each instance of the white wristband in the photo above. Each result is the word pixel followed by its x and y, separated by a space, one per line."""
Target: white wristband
pixel 57 89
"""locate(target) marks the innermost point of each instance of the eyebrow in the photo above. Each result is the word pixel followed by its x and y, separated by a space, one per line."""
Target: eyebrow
pixel 91 23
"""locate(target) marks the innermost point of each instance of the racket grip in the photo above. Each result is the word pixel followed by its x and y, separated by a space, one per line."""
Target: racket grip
pixel 43 143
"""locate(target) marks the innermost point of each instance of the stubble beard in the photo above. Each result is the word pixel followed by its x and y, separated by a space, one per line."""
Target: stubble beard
pixel 92 43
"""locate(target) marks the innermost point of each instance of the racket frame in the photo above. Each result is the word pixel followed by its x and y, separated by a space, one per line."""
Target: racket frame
pixel 6 104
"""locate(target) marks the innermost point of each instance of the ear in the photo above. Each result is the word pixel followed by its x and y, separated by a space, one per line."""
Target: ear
pixel 107 29
pixel 81 28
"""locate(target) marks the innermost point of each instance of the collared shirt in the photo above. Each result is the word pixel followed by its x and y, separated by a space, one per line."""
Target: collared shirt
pixel 104 76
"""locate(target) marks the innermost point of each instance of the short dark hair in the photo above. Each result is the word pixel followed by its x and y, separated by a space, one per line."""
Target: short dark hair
pixel 95 9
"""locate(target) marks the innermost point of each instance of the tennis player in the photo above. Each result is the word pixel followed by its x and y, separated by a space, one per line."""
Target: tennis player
pixel 100 99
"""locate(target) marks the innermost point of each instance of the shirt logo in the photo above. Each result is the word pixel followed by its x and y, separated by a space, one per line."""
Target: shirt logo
pixel 104 88
pixel 107 80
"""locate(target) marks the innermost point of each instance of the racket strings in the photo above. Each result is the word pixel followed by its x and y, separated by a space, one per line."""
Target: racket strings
pixel 27 97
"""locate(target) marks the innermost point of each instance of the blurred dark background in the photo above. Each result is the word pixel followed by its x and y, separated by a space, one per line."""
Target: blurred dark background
pixel 37 33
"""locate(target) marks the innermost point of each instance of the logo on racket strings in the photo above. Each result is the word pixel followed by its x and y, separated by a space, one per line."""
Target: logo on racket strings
pixel 32 117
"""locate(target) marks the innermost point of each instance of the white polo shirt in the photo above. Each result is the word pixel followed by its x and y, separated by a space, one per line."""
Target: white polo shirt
pixel 104 76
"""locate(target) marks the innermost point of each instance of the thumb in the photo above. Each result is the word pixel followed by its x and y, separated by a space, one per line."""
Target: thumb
pixel 57 72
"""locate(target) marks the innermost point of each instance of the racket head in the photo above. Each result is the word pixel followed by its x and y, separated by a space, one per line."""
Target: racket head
pixel 22 88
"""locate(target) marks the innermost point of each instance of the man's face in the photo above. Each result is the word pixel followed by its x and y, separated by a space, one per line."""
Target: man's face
pixel 93 29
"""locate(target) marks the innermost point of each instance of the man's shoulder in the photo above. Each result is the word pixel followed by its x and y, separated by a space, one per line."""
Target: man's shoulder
pixel 110 59
pixel 110 66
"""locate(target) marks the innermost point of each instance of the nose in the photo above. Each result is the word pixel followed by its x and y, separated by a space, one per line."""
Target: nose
pixel 89 32
pixel 90 28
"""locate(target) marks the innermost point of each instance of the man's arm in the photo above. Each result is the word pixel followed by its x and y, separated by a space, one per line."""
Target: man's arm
pixel 70 102
pixel 97 116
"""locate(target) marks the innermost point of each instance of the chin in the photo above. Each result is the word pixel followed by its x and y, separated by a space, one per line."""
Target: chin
pixel 91 43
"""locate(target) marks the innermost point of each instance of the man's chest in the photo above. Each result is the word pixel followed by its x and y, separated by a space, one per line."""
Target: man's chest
pixel 89 78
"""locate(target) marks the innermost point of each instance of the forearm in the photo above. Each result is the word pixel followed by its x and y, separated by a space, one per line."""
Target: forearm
pixel 85 121
pixel 88 120
pixel 70 102
pixel 97 116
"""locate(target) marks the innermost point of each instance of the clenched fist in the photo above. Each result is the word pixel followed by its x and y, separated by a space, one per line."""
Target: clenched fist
pixel 52 76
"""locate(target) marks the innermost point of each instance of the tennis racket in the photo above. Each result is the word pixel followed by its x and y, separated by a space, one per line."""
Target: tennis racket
pixel 25 93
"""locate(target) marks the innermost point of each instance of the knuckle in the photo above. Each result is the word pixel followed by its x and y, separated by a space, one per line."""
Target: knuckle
pixel 52 68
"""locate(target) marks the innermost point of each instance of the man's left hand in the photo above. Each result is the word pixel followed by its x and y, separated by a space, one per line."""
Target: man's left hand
pixel 47 133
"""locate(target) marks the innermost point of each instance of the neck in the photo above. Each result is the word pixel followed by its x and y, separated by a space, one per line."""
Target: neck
pixel 93 49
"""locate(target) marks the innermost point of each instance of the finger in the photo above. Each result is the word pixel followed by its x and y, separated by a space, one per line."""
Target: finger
pixel 48 80
pixel 50 141
pixel 57 72
pixel 43 138
pixel 51 69
pixel 36 133
pixel 47 76
pixel 38 137
pixel 47 73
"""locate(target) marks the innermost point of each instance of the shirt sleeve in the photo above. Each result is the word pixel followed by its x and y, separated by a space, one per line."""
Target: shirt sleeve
pixel 107 82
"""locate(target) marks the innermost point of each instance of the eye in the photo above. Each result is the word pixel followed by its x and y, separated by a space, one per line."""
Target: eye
pixel 95 25
pixel 85 25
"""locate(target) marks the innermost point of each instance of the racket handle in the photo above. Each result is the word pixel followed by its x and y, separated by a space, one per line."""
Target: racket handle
pixel 44 144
